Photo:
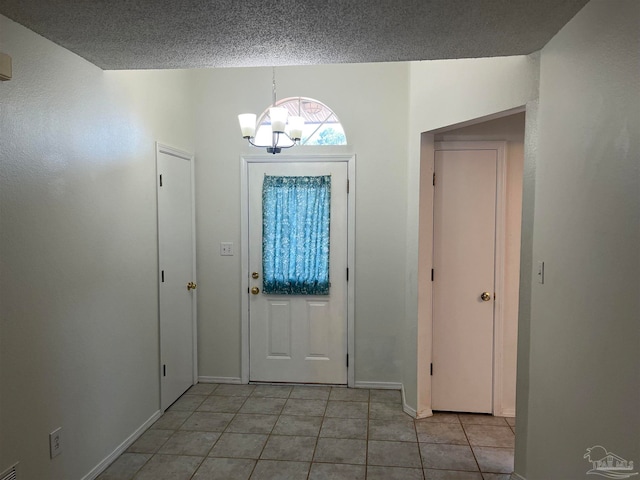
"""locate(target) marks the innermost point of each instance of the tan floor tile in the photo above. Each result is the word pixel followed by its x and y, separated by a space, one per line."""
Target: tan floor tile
pixel 207 422
pixel 349 394
pixel 297 425
pixel 190 443
pixel 490 436
pixel 393 473
pixel 295 406
pixel 234 390
pixel 335 471
pixel 171 420
pixel 347 409
pixel 399 430
pixel 393 454
pixel 344 428
pixel 448 457
pixel 299 449
pixel 274 391
pixel 187 403
pixel 279 470
pixel 482 419
pixel 252 423
pixel 494 459
pixel 169 467
pixel 440 417
pixel 225 469
pixel 310 393
pixel 340 450
pixel 451 475
pixel 265 406
pixel 150 441
pixel 451 433
pixel 202 389
pixel 239 445
pixel 220 404
pixel 386 396
pixel 125 467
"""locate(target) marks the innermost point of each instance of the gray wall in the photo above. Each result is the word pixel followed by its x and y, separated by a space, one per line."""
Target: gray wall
pixel 583 371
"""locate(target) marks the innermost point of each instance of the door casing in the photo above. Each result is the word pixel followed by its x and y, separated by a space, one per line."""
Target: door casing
pixel 244 231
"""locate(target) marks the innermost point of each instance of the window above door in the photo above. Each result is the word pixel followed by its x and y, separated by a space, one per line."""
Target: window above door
pixel 321 124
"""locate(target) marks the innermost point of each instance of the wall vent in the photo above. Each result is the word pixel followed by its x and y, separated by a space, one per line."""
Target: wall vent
pixel 11 474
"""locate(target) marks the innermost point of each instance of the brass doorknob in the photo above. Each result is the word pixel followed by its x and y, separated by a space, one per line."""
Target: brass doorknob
pixel 191 286
pixel 486 296
pixel 255 275
pixel 255 290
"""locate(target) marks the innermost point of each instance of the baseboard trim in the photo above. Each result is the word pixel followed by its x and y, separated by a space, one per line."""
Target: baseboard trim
pixel 405 407
pixel 515 476
pixel 109 459
pixel 234 380
pixel 379 385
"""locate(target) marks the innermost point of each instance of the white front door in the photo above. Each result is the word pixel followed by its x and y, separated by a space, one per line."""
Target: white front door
pixel 463 279
pixel 176 265
pixel 298 338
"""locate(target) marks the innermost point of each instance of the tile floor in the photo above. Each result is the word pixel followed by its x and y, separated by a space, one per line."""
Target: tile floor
pixel 310 433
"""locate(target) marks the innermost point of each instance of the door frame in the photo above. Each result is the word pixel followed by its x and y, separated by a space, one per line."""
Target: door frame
pixel 162 148
pixel 499 265
pixel 246 160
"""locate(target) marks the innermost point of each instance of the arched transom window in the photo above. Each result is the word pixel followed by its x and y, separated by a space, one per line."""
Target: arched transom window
pixel 321 125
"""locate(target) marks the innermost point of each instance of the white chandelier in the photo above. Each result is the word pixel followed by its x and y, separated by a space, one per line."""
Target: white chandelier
pixel 286 130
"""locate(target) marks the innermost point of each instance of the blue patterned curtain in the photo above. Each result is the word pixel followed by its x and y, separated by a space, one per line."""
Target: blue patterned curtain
pixel 295 235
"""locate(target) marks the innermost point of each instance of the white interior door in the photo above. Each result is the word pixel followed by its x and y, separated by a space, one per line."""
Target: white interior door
pixel 176 264
pixel 464 269
pixel 299 338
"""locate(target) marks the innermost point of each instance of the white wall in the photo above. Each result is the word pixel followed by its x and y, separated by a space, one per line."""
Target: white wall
pixel 444 93
pixel 511 130
pixel 371 102
pixel 584 364
pixel 78 323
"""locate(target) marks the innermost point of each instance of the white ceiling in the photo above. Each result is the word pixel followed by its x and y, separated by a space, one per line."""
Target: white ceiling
pixel 135 34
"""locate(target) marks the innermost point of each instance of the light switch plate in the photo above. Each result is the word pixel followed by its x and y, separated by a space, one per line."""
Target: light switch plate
pixel 226 249
pixel 540 272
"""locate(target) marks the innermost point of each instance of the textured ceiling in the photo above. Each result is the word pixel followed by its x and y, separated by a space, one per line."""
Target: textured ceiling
pixel 135 34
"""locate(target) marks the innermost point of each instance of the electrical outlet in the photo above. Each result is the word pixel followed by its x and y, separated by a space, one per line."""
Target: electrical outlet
pixel 226 249
pixel 55 442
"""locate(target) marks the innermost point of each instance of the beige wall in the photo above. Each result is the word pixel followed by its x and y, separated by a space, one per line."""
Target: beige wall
pixel 78 305
pixel 583 369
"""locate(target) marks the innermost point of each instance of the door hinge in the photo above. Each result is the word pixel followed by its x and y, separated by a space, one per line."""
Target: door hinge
pixel 431 369
pixel 347 274
pixel 164 370
pixel 434 179
pixel 347 360
pixel 432 274
pixel 160 179
pixel 162 276
pixel 347 186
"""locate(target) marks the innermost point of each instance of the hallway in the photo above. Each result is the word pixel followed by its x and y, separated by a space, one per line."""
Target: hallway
pixel 305 432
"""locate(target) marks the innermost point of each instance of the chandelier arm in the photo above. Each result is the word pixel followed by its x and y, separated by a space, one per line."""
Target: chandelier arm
pixel 274 145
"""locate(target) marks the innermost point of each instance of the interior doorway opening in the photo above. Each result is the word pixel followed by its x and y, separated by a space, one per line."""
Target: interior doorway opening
pixel 508 127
